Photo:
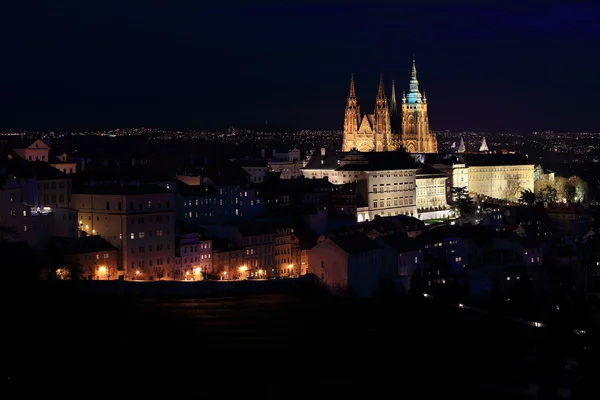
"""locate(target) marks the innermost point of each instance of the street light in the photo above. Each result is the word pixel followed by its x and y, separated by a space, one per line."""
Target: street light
pixel 102 271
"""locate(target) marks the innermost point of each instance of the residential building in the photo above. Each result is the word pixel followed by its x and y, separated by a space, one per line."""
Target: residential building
pixel 193 256
pixel 137 220
pixel 94 257
pixel 350 263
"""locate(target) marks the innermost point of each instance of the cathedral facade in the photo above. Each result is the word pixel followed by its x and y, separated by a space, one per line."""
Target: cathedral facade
pixel 389 127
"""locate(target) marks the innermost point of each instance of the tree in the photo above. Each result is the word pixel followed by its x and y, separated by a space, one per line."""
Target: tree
pixel 546 193
pixel 528 197
pixel 581 188
pixel 160 273
pixel 513 186
pixel 462 200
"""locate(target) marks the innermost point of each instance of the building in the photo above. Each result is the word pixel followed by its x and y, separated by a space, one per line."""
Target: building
pixel 193 256
pixel 389 127
pixel 349 263
pixel 402 256
pixel 386 181
pixel 228 259
pixel 37 151
pixel 216 195
pixel 499 176
pixel 431 193
pixel 287 163
pixel 95 258
pixel 64 164
pixel 256 241
pixel 137 220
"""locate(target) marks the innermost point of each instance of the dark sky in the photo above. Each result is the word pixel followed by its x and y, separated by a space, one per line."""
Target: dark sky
pixel 177 64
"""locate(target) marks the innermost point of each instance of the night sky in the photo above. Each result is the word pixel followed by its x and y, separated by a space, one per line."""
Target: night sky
pixel 178 64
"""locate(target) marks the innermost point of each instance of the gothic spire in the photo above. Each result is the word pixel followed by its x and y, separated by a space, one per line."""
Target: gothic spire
pixel 352 90
pixel 414 96
pixel 461 146
pixel 394 107
pixel 484 146
pixel 381 91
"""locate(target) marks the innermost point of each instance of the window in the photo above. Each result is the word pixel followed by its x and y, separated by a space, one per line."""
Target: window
pixel 159 233
pixel 24 213
pixel 24 228
pixel 108 205
pixel 141 235
pixel 458 259
pixel 416 260
pixel 149 204
pixel 132 235
pixel 97 256
pixel 106 255
pixel 12 198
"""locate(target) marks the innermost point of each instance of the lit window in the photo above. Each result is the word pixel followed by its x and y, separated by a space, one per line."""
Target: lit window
pixel 24 213
pixel 141 235
pixel 105 255
pixel 24 228
pixel 458 259
pixel 416 260
pixel 132 236
pixel 97 256
pixel 120 236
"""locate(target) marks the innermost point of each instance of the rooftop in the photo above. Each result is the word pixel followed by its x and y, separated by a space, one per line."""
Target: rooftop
pixel 122 190
pixel 83 245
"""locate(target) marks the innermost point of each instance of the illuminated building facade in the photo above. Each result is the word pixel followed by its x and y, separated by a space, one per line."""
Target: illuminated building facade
pixel 137 220
pixel 389 127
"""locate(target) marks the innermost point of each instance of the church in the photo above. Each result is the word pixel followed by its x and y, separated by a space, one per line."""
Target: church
pixel 389 127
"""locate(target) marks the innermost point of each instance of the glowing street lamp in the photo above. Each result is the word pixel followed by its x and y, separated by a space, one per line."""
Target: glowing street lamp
pixel 197 271
pixel 103 271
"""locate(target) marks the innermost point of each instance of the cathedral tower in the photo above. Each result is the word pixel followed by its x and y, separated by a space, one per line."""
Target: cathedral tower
pixel 382 120
pixel 415 135
pixel 352 119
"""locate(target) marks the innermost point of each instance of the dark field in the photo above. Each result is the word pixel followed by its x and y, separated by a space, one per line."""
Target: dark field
pixel 274 346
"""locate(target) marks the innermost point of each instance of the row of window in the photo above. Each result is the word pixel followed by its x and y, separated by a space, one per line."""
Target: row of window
pixel 402 186
pixel 195 259
pixel 132 205
pixel 142 235
pixel 61 185
pixel 402 201
pixel 394 174
pixel 142 249
pixel 142 219
pixel 89 257
pixel 142 263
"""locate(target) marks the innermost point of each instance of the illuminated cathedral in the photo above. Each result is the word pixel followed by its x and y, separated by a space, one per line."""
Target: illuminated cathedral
pixel 389 127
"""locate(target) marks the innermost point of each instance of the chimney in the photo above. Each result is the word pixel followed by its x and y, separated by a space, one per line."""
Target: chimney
pixel 323 150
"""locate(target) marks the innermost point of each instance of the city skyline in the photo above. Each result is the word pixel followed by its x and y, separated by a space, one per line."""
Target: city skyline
pixel 508 68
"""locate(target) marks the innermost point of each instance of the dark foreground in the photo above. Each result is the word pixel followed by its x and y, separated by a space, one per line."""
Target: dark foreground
pixel 276 346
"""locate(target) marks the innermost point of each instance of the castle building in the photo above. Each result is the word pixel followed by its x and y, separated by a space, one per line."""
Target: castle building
pixel 389 127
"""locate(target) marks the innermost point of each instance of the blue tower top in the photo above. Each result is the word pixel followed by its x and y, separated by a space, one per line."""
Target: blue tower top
pixel 414 96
